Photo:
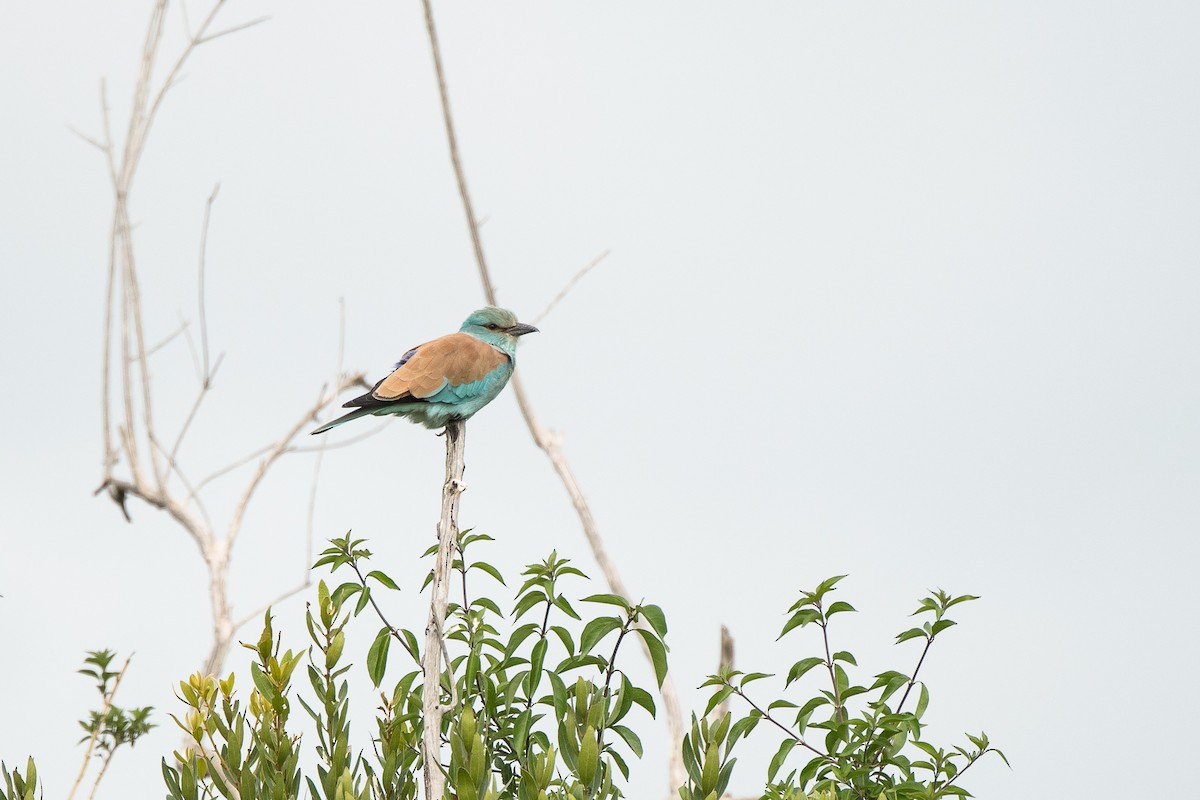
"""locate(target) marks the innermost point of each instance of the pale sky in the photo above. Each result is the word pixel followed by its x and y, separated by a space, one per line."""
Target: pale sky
pixel 905 291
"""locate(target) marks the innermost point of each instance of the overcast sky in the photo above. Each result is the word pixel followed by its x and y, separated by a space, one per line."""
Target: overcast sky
pixel 905 291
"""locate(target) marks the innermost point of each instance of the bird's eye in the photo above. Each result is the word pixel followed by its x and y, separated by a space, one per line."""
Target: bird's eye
pixel 493 326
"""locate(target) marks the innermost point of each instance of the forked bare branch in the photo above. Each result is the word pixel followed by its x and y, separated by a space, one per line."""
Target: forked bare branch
pixel 135 441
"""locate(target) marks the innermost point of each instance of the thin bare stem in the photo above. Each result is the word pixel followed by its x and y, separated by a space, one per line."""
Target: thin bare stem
pixel 280 447
pixel 206 39
pixel 87 753
pixel 570 285
pixel 791 734
pixel 200 288
pixel 452 140
pixel 166 340
pixel 103 769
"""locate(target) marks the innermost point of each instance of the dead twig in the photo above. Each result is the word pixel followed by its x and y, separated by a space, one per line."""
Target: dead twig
pixel 570 285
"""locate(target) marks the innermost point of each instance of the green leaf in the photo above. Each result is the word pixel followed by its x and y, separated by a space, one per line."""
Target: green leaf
pixel 845 655
pixel 596 630
pixel 262 683
pixel 754 676
pixel 963 599
pixel 717 698
pixel 922 700
pixel 489 569
pixel 941 625
pixel 565 636
pixel 630 738
pixel 643 699
pixel 535 667
pixel 911 633
pixel 384 579
pixel 377 655
pixel 838 607
pixel 654 615
pixel 826 585
pixel 777 761
pixel 798 620
pixel 610 599
pixel 800 667
pixel 658 654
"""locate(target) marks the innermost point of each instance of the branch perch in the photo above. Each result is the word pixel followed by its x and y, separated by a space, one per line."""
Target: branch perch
pixel 435 642
pixel 549 443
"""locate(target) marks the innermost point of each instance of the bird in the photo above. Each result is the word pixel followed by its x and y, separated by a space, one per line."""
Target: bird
pixel 449 378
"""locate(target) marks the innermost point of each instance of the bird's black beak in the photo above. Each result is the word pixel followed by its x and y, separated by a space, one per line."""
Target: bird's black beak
pixel 520 329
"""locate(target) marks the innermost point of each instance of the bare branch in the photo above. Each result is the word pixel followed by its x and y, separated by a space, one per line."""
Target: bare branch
pixel 99 146
pixel 166 340
pixel 234 29
pixel 258 612
pixel 277 450
pixel 439 594
pixel 187 423
pixel 570 284
pixel 549 444
pixel 459 175
pixel 200 290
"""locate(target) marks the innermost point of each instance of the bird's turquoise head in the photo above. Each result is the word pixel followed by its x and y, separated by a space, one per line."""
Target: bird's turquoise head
pixel 497 326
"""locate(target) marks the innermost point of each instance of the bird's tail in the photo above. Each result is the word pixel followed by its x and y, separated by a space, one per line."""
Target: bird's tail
pixel 355 414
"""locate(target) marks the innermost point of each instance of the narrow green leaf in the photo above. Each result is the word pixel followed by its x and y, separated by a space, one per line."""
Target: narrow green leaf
pixel 596 630
pixel 800 667
pixel 658 654
pixel 377 655
pixel 610 599
pixel 654 615
pixel 383 578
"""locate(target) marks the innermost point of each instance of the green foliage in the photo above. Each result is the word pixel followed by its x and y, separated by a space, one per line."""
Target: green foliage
pixel 18 785
pixel 111 726
pixel 848 740
pixel 538 702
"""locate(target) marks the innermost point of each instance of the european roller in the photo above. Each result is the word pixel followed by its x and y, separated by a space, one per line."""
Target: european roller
pixel 449 378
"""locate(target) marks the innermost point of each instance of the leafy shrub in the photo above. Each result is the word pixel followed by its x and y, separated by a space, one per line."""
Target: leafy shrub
pixel 538 708
pixel 858 745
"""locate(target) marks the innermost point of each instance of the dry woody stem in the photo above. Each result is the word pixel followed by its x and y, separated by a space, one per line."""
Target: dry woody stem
pixel 550 443
pixel 137 460
pixel 435 637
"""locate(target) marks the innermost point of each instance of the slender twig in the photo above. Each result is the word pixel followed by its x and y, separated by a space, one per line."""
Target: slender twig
pixel 837 692
pixel 108 757
pixel 235 524
pixel 206 39
pixel 570 284
pixel 87 753
pixel 913 679
pixel 166 340
pixel 792 734
pixel 676 774
pixel 200 286
pixel 379 613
